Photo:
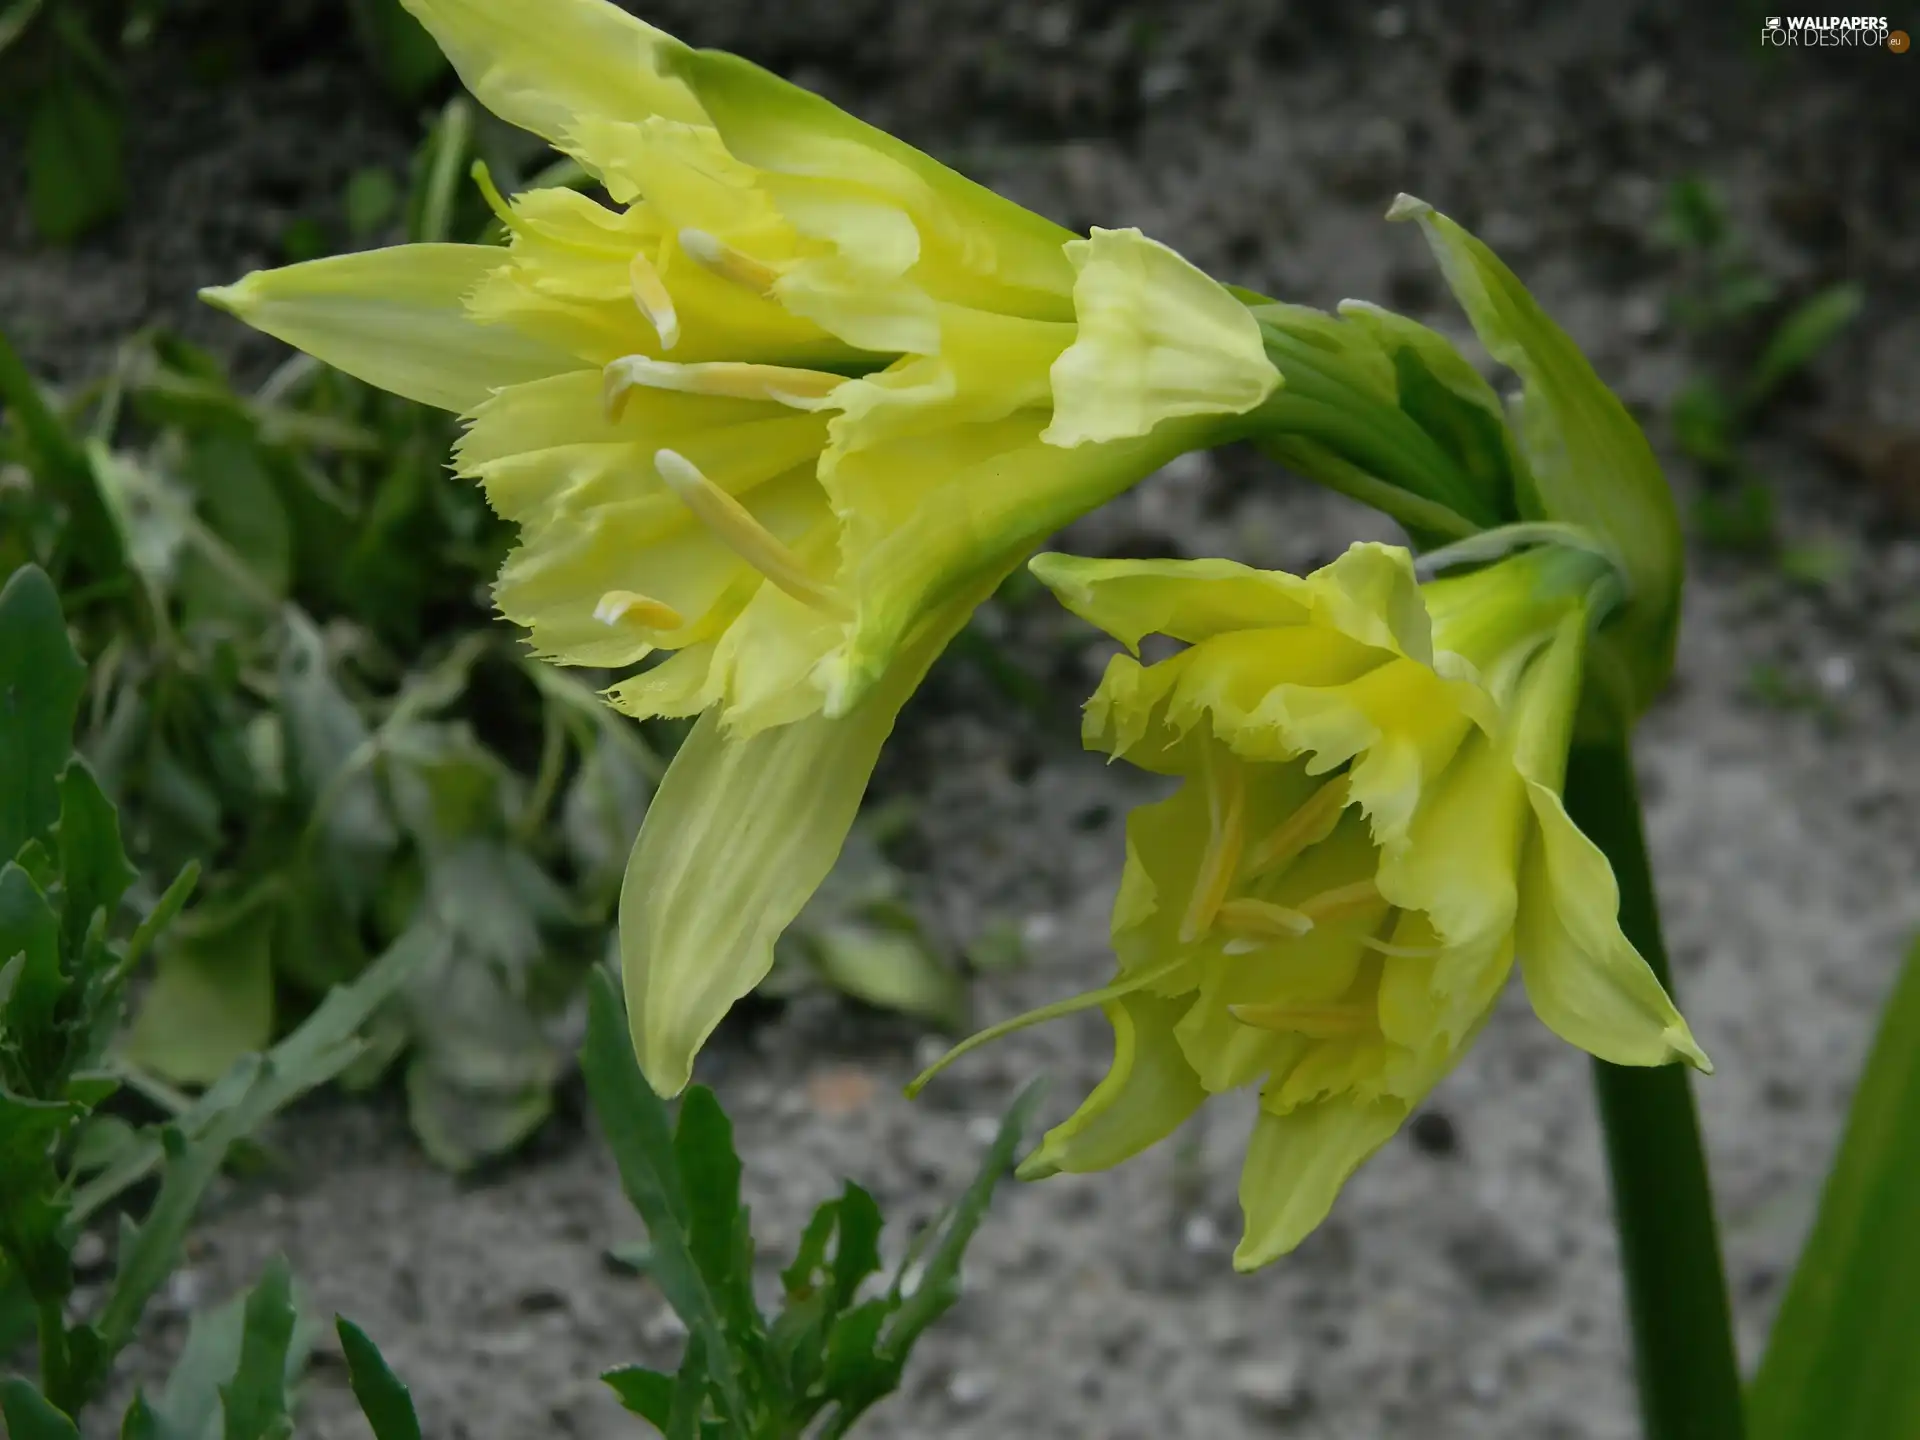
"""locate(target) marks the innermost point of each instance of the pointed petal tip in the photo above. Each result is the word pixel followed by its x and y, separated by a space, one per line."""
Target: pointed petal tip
pixel 1037 1166
pixel 226 297
pixel 1408 207
pixel 1684 1047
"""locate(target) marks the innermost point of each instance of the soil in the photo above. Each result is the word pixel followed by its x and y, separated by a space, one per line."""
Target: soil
pixel 1465 1285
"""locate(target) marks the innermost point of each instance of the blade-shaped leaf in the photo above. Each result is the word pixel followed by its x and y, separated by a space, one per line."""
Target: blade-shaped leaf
pixel 255 1401
pixel 710 1173
pixel 40 682
pixel 383 1396
pixel 647 1393
pixel 1801 336
pixel 635 1123
pixel 856 1252
pixel 30 1415
pixel 1841 1357
pixel 94 871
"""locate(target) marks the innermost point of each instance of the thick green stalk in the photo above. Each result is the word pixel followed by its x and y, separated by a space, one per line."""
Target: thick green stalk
pixel 1684 1357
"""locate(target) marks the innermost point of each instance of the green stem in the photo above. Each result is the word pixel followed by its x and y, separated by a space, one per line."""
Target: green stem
pixel 1683 1347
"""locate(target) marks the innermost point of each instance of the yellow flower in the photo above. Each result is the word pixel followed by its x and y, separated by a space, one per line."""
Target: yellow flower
pixel 1368 835
pixel 778 419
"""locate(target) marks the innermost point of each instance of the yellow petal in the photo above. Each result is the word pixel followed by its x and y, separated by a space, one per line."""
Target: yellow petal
pixel 396 318
pixel 1584 978
pixel 1461 861
pixel 1158 338
pixel 546 66
pixel 1296 1164
pixel 1186 599
pixel 987 251
pixel 1145 1096
pixel 738 837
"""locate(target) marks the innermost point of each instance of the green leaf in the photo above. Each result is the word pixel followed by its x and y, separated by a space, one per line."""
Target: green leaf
pixel 689 1394
pixel 191 1406
pixel 256 1400
pixel 31 1212
pixel 326 1043
pixel 856 1252
pixel 635 1123
pixel 939 1284
pixel 1589 462
pixel 1704 425
pixel 34 1037
pixel 1801 336
pixel 172 900
pixel 94 871
pixel 149 1251
pixel 250 562
pixel 1841 1357
pixel 384 1399
pixel 211 1000
pixel 647 1393
pixel 710 1172
pixel 74 176
pixel 31 1416
pixel 40 683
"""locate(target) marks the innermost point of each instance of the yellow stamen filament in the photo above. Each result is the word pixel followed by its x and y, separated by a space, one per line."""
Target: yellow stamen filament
pixel 490 192
pixel 727 262
pixel 650 295
pixel 1341 902
pixel 1316 1022
pixel 1311 823
pixel 1226 814
pixel 634 608
pixel 734 526
pixel 737 379
pixel 1264 918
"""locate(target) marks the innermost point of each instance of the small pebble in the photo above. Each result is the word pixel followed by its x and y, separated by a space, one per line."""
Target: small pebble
pixel 970 1389
pixel 1270 1388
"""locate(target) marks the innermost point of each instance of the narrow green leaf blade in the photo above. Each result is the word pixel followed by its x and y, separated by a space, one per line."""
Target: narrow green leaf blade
pixel 74 172
pixel 256 1400
pixel 856 1252
pixel 635 1123
pixel 647 1393
pixel 1801 336
pixel 383 1396
pixel 30 1415
pixel 1841 1360
pixel 94 870
pixel 40 682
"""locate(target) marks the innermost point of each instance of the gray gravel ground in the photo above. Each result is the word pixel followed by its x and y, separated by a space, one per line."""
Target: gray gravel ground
pixel 1465 1286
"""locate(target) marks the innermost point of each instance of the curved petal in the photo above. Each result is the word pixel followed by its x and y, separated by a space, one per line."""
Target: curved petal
pixel 396 318
pixel 1142 1100
pixel 738 837
pixel 1188 600
pixel 545 66
pixel 1584 978
pixel 1158 338
pixel 1296 1164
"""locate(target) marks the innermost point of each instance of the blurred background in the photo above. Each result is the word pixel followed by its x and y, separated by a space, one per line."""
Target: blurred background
pixel 297 679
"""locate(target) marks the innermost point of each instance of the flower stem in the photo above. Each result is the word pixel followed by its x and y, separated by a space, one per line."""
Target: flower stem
pixel 1683 1348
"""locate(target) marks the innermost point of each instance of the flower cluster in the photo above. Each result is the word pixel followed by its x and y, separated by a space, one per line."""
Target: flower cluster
pixel 779 416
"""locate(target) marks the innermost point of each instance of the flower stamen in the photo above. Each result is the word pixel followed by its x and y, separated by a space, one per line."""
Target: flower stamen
pixel 1316 1022
pixel 1226 816
pixel 728 263
pixel 733 525
pixel 1263 918
pixel 1307 826
pixel 1341 902
pixel 736 379
pixel 634 608
pixel 651 297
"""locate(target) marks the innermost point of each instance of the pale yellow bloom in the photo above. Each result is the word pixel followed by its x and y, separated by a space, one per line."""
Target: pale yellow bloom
pixel 1368 837
pixel 776 421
